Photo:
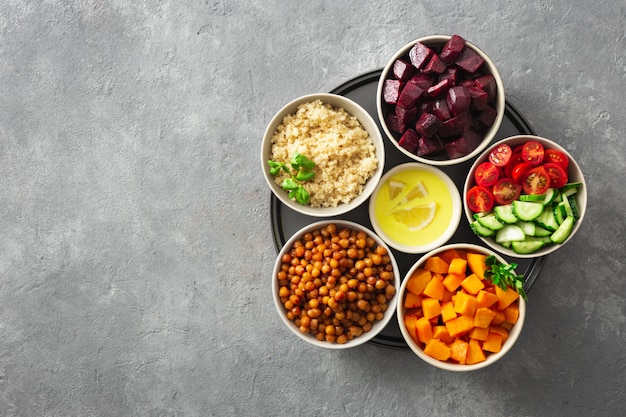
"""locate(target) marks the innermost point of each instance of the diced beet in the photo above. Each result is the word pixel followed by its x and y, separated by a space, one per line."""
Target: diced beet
pixel 424 81
pixel 391 91
pixel 451 127
pixel 441 110
pixel 458 100
pixel 435 65
pixel 441 88
pixel 468 82
pixel 405 116
pixel 426 106
pixel 459 147
pixel 469 61
pixel 428 146
pixel 409 140
pixel 403 70
pixel 479 98
pixel 452 49
pixel 419 55
pixel 488 83
pixel 450 73
pixel 409 95
pixel 392 123
pixel 488 116
pixel 427 125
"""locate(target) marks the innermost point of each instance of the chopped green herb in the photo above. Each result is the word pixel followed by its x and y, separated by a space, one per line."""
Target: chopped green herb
pixel 503 275
pixel 300 169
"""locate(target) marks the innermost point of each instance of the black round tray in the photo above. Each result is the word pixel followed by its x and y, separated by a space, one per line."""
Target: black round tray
pixel 362 89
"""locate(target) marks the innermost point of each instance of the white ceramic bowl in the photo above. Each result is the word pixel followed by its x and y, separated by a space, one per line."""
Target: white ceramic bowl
pixel 368 124
pixel 441 190
pixel 574 174
pixel 514 332
pixel 436 42
pixel 377 327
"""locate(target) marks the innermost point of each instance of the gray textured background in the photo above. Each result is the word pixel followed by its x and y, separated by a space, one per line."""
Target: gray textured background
pixel 135 236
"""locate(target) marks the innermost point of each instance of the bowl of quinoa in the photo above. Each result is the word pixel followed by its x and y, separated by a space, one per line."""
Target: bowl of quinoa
pixel 342 141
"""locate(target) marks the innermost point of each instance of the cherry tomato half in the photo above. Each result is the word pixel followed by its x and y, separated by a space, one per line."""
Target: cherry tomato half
pixel 558 175
pixel 486 174
pixel 517 174
pixel 532 152
pixel 479 199
pixel 501 155
pixel 505 191
pixel 536 181
pixel 556 156
pixel 516 158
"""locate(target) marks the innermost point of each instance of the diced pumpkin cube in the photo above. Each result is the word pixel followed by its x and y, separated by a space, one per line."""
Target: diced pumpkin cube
pixel 450 254
pixel 479 333
pixel 460 325
pixel 465 304
pixel 472 284
pixel 424 330
pixel 493 343
pixel 437 349
pixel 511 313
pixel 475 353
pixel 434 288
pixel 412 300
pixel 441 333
pixel 410 322
pixel 476 263
pixel 458 351
pixel 436 264
pixel 504 333
pixel 483 317
pixel 447 295
pixel 457 266
pixel 498 318
pixel 431 308
pixel 506 298
pixel 418 281
pixel 486 298
pixel 447 312
pixel 452 281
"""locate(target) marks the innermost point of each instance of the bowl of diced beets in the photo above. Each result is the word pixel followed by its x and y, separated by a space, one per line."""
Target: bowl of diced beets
pixel 440 100
pixel 525 196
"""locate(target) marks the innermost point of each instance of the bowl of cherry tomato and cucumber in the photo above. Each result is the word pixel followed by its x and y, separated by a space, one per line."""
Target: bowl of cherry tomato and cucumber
pixel 525 196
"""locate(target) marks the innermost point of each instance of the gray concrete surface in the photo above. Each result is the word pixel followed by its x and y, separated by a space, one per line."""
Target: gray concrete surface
pixel 135 239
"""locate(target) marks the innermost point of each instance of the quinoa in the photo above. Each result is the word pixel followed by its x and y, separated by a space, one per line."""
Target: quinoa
pixel 343 151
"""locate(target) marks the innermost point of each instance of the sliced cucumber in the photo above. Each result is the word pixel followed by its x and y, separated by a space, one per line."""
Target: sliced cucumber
pixel 567 188
pixel 481 230
pixel 567 206
pixel 490 221
pixel 529 228
pixel 559 212
pixel 505 214
pixel 572 203
pixel 565 229
pixel 527 210
pixel 510 233
pixel 480 214
pixel 547 219
pixel 527 246
pixel 549 196
pixel 542 232
pixel 537 198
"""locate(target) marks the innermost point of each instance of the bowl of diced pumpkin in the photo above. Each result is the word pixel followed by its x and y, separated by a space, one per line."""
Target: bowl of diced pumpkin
pixel 461 307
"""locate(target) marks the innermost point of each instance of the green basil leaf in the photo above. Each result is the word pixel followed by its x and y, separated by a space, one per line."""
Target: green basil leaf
pixel 290 184
pixel 305 175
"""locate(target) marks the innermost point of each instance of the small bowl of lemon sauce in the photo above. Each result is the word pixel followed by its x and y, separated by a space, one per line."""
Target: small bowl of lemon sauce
pixel 415 208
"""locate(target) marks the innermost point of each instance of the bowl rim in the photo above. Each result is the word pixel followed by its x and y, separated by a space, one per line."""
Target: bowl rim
pixel 493 357
pixel 457 208
pixel 500 101
pixel 377 327
pixel 354 109
pixel 581 195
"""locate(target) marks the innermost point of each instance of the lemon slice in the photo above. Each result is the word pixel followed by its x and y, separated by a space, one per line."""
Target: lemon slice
pixel 395 187
pixel 416 217
pixel 418 191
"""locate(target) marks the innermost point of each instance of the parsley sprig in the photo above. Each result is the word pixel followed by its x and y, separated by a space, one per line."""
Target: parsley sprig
pixel 300 169
pixel 504 275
